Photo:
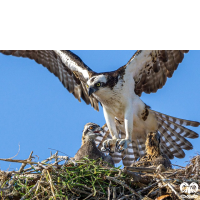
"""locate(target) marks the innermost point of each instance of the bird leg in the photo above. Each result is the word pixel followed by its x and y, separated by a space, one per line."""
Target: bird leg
pixel 110 144
pixel 122 144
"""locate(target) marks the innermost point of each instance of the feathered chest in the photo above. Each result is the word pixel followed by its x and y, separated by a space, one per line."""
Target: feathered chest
pixel 115 98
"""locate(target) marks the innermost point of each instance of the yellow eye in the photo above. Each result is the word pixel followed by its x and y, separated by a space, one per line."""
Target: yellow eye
pixel 91 127
pixel 98 84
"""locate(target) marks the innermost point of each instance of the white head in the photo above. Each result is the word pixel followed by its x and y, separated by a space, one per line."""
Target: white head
pixel 96 82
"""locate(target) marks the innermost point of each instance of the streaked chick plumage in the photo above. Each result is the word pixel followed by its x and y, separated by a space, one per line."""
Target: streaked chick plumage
pixel 88 148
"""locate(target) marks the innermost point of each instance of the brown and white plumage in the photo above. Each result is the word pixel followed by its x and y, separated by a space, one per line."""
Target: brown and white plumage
pixel 117 91
pixel 74 74
pixel 89 148
pixel 173 140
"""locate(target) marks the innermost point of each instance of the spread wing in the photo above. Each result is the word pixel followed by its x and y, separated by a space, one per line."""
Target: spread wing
pixel 151 68
pixel 68 67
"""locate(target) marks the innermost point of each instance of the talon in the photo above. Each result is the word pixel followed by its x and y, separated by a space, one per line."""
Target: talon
pixel 117 143
pixel 103 149
pixel 122 145
pixel 109 145
pixel 105 146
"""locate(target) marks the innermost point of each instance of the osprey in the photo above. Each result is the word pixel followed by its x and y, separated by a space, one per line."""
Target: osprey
pixel 119 93
pixel 89 148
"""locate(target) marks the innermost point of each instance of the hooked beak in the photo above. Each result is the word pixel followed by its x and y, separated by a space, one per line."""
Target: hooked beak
pixel 91 90
pixel 97 132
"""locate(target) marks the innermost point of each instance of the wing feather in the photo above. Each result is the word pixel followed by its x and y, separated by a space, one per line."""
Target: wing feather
pixel 165 150
pixel 68 67
pixel 172 139
pixel 174 123
pixel 180 141
pixel 151 68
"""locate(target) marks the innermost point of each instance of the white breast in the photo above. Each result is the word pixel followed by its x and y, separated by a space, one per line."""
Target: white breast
pixel 116 99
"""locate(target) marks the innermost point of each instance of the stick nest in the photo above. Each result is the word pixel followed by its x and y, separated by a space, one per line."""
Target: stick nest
pixel 59 177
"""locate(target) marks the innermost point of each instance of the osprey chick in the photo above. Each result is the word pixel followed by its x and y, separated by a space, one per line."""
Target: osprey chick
pixel 88 148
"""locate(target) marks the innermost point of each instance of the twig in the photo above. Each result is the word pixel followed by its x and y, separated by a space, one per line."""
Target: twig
pixel 178 166
pixel 171 187
pixel 50 158
pixel 18 161
pixel 31 190
pixel 16 154
pixel 24 164
pixel 137 177
pixel 80 191
pixel 88 196
pixel 36 197
pixel 126 196
pixel 148 187
pixel 125 185
pixel 114 193
pixel 9 187
pixel 91 189
pixel 109 191
pixel 197 167
pixel 50 181
pixel 140 169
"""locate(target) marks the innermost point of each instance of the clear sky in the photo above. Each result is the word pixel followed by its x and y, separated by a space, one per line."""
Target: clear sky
pixel 38 113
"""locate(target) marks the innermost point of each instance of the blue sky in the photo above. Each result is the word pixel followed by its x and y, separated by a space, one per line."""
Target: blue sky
pixel 38 113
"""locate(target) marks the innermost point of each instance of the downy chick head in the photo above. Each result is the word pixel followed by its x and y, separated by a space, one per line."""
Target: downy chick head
pixel 90 132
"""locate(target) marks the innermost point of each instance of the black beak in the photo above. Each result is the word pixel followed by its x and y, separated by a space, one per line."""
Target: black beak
pixel 91 90
pixel 98 134
pixel 98 130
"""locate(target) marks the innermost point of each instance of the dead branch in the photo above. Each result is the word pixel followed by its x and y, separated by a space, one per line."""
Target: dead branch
pixel 141 169
pixel 24 164
pixel 137 177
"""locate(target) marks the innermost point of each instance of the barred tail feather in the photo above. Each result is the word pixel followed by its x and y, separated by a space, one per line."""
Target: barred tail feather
pixel 141 146
pixel 177 121
pixel 117 157
pixel 131 154
pixel 181 130
pixel 178 139
pixel 106 135
pixel 170 144
pixel 173 134
pixel 166 151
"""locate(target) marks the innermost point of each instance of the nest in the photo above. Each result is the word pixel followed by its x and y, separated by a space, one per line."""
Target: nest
pixel 59 177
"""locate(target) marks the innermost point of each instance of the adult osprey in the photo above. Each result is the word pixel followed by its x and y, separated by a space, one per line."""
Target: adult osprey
pixel 118 91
